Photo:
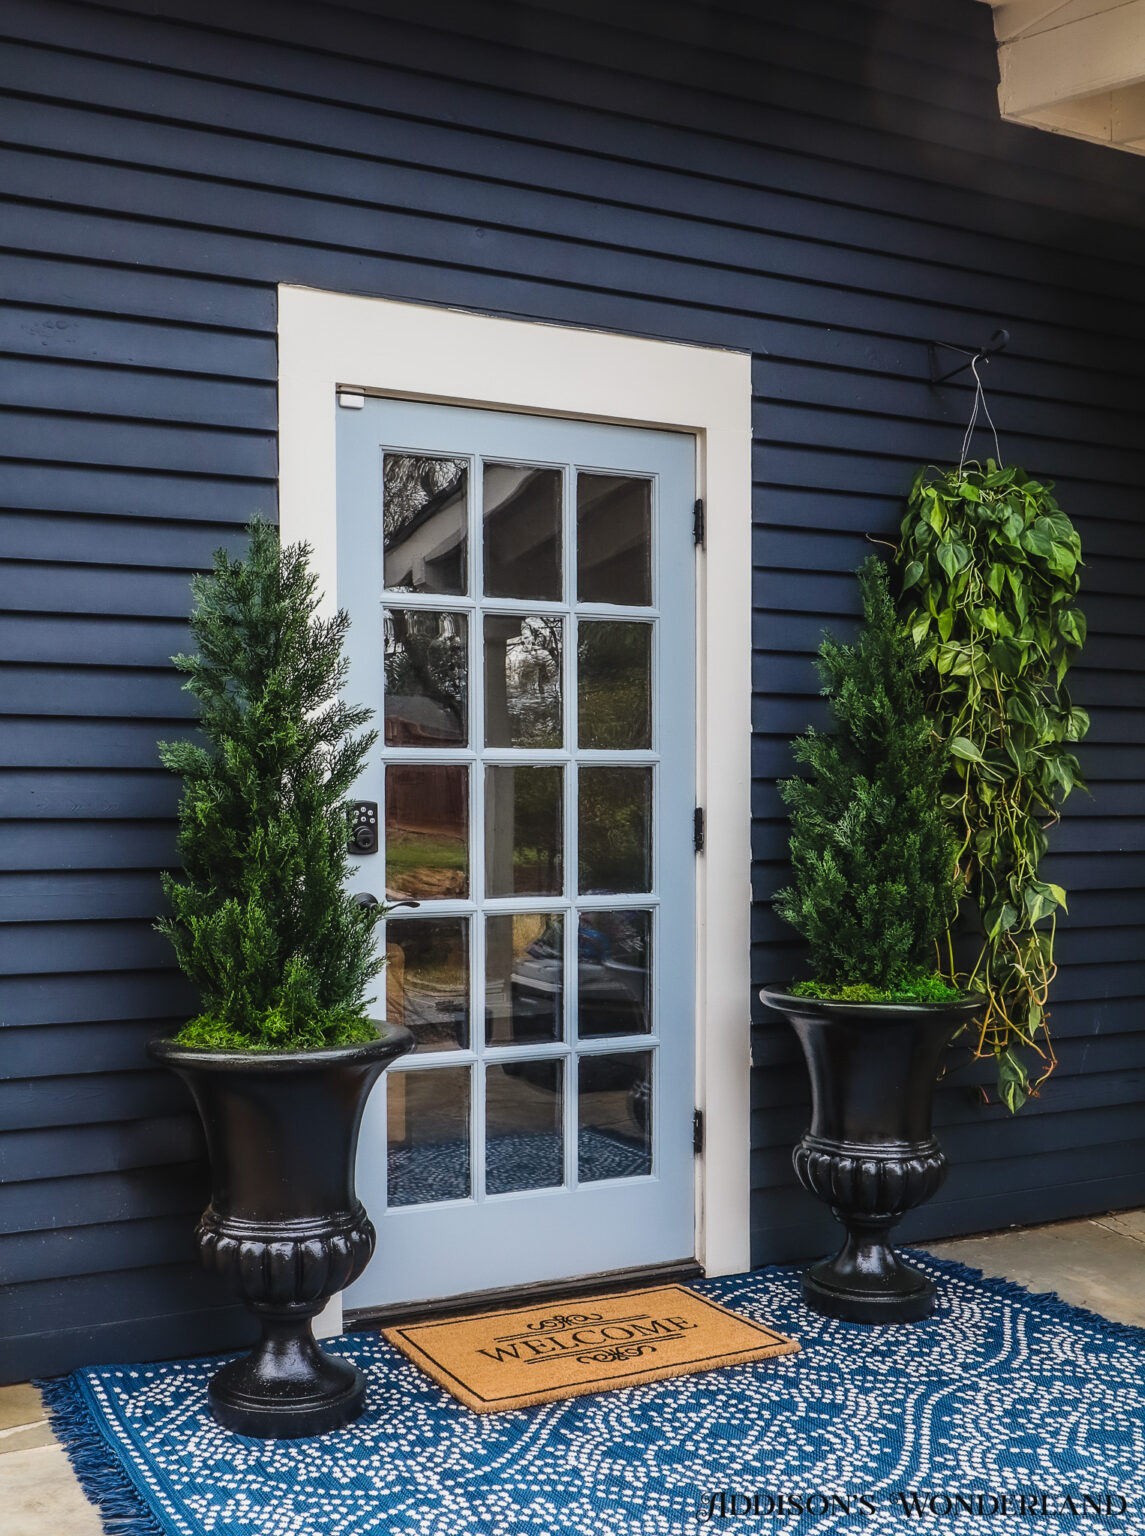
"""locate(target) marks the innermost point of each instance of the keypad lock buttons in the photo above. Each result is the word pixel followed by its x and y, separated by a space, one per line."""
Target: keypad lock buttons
pixel 364 827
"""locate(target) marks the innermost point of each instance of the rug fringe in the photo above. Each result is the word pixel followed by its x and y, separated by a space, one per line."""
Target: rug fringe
pixel 98 1470
pixel 1045 1301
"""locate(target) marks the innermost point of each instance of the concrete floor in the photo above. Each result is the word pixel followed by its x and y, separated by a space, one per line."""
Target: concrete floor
pixel 1098 1263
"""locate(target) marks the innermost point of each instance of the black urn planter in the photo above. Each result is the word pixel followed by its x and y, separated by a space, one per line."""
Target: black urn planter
pixel 869 1152
pixel 284 1224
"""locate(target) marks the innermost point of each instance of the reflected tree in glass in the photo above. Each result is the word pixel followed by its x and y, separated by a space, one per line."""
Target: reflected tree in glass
pixel 524 832
pixel 425 523
pixel 615 829
pixel 522 681
pixel 425 656
pixel 614 685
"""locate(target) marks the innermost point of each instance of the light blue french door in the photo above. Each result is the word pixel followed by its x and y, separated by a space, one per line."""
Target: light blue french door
pixel 521 591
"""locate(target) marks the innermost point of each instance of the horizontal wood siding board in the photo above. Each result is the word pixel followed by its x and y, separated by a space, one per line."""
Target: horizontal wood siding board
pixel 1023 1170
pixel 78 1099
pixel 96 490
pixel 92 1199
pixel 55 896
pixel 772 1045
pixel 780 1113
pixel 65 742
pixel 102 1249
pixel 50 384
pixel 53 1152
pixel 29 948
pixel 110 641
pixel 94 997
pixel 158 1336
pixel 1083 1055
pixel 102 539
pixel 46 331
pixel 114 1297
pixel 829 187
pixel 44 1051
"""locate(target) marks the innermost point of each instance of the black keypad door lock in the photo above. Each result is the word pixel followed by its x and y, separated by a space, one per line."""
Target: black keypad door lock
pixel 364 827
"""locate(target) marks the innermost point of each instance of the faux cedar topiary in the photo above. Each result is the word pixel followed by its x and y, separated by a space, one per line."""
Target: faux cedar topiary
pixel 872 852
pixel 260 918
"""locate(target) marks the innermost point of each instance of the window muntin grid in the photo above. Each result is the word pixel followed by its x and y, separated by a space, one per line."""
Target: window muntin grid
pixel 553 732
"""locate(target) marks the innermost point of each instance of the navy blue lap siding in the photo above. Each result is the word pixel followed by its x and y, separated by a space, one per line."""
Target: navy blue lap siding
pixel 827 185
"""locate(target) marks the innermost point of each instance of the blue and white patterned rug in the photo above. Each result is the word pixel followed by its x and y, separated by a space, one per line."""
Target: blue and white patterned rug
pixel 1003 1412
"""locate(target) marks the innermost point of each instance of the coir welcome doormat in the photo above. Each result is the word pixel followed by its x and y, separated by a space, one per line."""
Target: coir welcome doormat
pixel 495 1361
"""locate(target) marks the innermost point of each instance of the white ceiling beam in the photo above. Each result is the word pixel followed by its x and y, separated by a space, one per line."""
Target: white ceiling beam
pixel 1099 52
pixel 1127 118
pixel 1014 18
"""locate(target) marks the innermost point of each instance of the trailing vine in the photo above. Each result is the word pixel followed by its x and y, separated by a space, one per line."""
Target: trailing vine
pixel 989 569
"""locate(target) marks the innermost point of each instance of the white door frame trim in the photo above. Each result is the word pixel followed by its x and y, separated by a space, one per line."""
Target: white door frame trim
pixel 328 341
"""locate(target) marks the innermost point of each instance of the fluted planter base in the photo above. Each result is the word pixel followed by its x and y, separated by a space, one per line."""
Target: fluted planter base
pixel 284 1225
pixel 869 1153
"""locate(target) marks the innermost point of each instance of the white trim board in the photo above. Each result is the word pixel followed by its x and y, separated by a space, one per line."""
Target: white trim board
pixel 378 346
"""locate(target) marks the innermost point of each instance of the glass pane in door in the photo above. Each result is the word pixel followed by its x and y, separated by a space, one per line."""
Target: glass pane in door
pixel 427 831
pixel 524 831
pixel 427 1122
pixel 614 539
pixel 522 528
pixel 523 680
pixel 524 978
pixel 424 523
pixel 426 661
pixel 427 980
pixel 524 1119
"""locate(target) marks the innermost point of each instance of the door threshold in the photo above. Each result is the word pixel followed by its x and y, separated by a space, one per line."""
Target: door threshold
pixel 537 1293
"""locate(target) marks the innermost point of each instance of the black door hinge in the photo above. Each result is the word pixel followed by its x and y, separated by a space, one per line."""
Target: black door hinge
pixel 697 1130
pixel 698 528
pixel 698 829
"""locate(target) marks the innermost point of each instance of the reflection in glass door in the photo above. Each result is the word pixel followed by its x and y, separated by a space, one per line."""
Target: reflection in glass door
pixel 522 598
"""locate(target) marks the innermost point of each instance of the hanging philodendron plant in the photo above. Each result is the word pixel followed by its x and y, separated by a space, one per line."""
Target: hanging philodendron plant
pixel 989 568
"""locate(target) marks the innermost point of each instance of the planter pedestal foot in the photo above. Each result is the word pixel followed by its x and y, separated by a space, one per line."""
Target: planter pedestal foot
pixel 287 1387
pixel 867 1282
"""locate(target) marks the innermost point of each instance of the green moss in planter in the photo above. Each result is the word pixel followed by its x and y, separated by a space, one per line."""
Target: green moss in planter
pixel 260 918
pixel 924 989
pixel 872 851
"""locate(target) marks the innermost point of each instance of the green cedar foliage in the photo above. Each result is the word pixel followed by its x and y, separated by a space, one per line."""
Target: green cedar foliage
pixel 260 918
pixel 871 848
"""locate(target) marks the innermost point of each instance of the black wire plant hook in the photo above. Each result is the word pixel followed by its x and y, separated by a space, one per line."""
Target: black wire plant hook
pixel 997 343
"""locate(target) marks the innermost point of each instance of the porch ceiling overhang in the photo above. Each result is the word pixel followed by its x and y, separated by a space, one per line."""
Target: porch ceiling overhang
pixel 1075 67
